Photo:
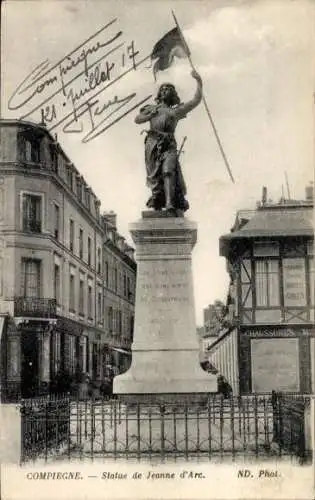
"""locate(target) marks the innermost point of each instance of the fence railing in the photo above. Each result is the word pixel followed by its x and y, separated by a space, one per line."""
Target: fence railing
pixel 246 426
pixel 179 430
pixel 290 414
pixel 45 425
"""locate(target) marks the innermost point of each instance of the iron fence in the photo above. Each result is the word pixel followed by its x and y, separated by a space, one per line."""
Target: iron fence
pixel 254 426
pixel 45 426
pixel 180 430
pixel 290 413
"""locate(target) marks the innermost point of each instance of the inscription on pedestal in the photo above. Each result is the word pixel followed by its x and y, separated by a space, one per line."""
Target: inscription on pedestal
pixel 164 302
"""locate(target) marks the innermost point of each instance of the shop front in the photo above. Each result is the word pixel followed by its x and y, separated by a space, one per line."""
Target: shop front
pixel 276 359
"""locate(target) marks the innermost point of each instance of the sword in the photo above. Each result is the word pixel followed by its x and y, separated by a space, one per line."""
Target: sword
pixel 181 147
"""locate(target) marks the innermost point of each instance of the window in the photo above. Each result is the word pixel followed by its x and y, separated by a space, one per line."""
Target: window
pixel 71 293
pixel 106 273
pixel 310 247
pixel 110 319
pixel 267 283
pixel 99 260
pixel 55 353
pixel 79 186
pixel 81 297
pixel 71 235
pixel 312 281
pixel 99 307
pixel 114 321
pixel 72 353
pixel 69 174
pixel 57 283
pixel 31 149
pixel 119 322
pixel 115 280
pixel 54 157
pixel 87 198
pixel 83 354
pixel 120 285
pixel 81 243
pixel 90 303
pixel 129 289
pixel 31 285
pixel 94 360
pixel 32 213
pixel 131 327
pixel 56 221
pixel 125 286
pixel 89 250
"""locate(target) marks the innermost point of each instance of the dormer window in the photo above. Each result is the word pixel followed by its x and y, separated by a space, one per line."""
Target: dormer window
pixel 29 147
pixel 69 174
pixel 87 197
pixel 54 157
pixel 79 187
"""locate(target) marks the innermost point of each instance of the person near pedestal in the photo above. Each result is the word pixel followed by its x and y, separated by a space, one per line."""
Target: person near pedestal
pixel 164 174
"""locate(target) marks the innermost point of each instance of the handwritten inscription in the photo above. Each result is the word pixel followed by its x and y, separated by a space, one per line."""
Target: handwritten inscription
pixel 73 92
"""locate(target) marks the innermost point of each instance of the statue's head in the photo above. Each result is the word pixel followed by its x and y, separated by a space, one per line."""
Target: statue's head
pixel 167 93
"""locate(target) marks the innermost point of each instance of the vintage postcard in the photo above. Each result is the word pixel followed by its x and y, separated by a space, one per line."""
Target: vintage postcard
pixel 157 269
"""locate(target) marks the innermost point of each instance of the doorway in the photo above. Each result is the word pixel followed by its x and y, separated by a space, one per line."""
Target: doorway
pixel 30 364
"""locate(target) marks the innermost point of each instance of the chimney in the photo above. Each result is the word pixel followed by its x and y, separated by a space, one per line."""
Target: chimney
pixel 111 217
pixel 309 192
pixel 264 195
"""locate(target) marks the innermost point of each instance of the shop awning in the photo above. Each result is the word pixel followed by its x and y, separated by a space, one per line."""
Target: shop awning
pixel 120 350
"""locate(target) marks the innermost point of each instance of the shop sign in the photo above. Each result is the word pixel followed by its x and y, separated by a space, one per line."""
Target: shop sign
pixel 294 285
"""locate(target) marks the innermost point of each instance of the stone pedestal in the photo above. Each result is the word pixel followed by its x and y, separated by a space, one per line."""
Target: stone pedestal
pixel 165 351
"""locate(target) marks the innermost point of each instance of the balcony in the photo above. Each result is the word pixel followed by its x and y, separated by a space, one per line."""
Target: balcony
pixel 33 307
pixel 118 341
pixel 31 225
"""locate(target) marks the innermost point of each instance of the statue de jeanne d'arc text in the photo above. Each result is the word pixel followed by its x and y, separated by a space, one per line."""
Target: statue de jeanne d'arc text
pixel 163 170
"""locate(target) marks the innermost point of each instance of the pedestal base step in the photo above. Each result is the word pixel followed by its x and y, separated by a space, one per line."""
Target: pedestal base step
pixel 167 398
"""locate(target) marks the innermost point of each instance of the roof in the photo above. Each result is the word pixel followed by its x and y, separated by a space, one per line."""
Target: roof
pixel 277 221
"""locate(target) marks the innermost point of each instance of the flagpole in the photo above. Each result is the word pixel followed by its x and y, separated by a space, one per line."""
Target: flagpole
pixel 206 107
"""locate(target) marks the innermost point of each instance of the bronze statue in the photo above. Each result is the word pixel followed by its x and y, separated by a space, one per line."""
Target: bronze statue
pixel 164 174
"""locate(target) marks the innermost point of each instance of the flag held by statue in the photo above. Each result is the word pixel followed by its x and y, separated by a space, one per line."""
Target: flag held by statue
pixel 167 48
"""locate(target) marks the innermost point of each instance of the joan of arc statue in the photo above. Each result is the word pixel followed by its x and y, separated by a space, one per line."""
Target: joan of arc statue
pixel 164 174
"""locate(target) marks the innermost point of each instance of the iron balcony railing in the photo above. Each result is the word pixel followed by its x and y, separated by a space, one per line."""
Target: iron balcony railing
pixel 35 307
pixel 32 225
pixel 119 341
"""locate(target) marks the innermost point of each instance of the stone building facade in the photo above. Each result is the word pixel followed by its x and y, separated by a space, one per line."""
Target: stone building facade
pixel 67 277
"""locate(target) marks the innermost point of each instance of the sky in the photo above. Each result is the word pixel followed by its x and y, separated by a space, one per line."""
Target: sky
pixel 256 59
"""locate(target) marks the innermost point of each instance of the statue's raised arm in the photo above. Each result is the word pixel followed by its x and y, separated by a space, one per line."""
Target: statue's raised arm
pixel 188 106
pixel 164 175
